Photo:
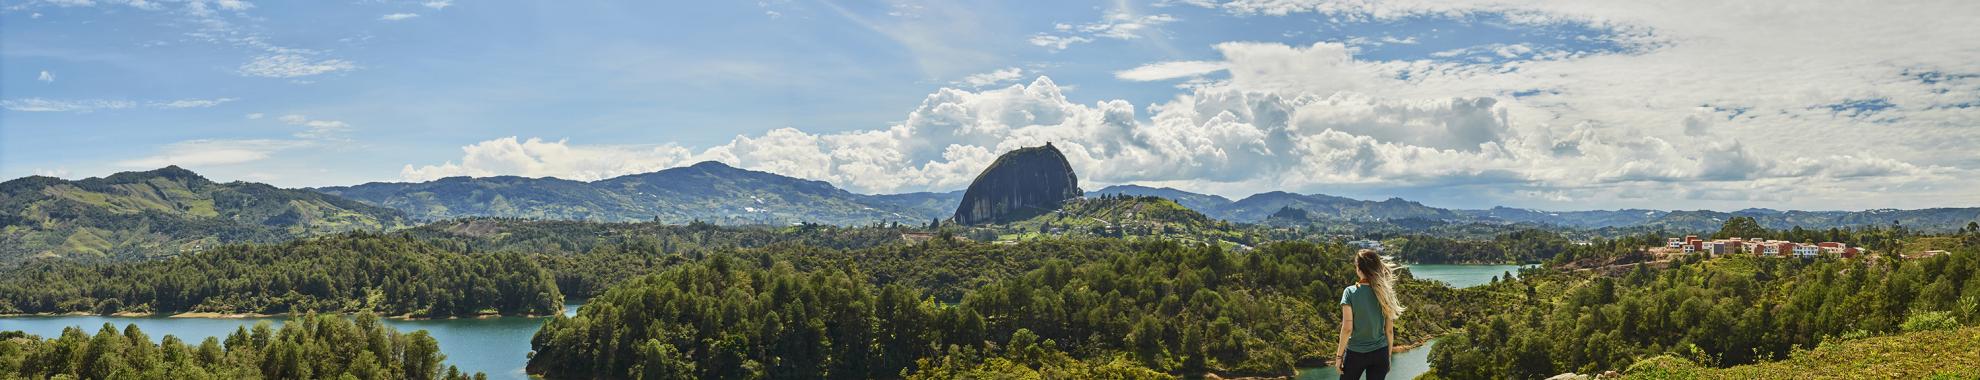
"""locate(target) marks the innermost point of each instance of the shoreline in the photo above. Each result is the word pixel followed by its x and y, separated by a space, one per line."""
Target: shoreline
pixel 221 315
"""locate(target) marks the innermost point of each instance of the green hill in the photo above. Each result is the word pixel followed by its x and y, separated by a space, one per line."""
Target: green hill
pixel 1939 354
pixel 1121 216
pixel 164 212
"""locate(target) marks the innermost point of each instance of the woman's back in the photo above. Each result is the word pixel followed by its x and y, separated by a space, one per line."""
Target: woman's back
pixel 1370 332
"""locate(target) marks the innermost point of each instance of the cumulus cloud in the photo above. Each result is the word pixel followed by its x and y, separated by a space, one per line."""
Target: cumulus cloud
pixel 1704 102
pixel 538 158
pixel 293 65
pixel 398 17
pixel 45 77
pixel 438 4
pixel 1215 138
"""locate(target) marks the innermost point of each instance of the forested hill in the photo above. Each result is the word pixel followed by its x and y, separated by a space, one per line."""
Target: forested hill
pixel 1725 311
pixel 393 274
pixel 1194 201
pixel 164 212
pixel 1140 310
pixel 708 191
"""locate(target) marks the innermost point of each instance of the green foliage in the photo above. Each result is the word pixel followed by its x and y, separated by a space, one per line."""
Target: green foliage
pixel 1522 246
pixel 1741 227
pixel 164 212
pixel 1734 310
pixel 1928 321
pixel 1933 354
pixel 1135 308
pixel 305 347
pixel 391 274
pixel 1124 216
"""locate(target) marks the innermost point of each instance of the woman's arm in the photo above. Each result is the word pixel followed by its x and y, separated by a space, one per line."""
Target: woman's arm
pixel 1390 325
pixel 1347 330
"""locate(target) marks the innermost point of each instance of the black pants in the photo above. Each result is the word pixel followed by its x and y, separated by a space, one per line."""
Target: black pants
pixel 1374 363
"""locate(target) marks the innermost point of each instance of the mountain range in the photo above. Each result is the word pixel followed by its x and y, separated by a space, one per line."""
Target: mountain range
pixel 163 212
pixel 169 210
pixel 1320 207
pixel 709 191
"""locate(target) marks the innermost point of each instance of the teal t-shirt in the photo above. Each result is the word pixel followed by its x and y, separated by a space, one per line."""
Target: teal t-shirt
pixel 1368 334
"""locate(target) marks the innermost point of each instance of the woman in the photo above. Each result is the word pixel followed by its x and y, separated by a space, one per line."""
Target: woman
pixel 1368 316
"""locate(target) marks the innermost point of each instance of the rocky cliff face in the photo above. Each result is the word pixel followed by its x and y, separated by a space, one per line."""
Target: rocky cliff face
pixel 1019 185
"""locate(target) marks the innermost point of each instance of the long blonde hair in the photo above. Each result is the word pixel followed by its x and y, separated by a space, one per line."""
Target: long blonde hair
pixel 1376 271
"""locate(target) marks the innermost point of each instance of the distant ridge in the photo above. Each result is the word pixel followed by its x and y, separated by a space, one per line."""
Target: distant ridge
pixel 709 191
pixel 1320 207
pixel 165 211
pixel 1194 201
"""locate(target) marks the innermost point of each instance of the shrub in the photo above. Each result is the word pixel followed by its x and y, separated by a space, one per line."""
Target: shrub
pixel 1929 321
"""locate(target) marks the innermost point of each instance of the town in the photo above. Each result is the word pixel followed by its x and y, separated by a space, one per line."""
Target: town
pixel 1760 247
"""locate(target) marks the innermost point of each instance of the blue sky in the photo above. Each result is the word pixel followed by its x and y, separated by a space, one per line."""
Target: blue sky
pixel 1558 105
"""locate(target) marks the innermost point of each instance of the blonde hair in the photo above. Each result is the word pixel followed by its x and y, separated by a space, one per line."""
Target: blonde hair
pixel 1376 271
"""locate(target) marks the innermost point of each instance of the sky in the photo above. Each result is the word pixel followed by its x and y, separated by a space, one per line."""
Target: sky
pixel 1557 105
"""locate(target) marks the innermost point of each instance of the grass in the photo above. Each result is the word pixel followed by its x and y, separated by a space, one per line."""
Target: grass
pixel 1942 354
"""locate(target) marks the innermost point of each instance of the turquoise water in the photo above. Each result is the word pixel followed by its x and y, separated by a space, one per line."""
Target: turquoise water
pixel 1409 364
pixel 1461 276
pixel 1404 365
pixel 496 346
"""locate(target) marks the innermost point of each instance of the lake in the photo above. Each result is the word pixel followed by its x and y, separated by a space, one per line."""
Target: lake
pixel 1461 275
pixel 496 346
pixel 1409 364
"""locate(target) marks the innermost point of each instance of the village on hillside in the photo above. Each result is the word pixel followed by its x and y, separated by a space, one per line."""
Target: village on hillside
pixel 1759 247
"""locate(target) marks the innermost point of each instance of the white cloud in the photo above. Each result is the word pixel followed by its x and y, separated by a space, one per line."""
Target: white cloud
pixel 233 5
pixel 538 158
pixel 1056 43
pixel 1169 70
pixel 438 4
pixel 56 172
pixel 315 129
pixel 1223 139
pixel 1119 24
pixel 398 17
pixel 190 103
pixel 211 152
pixel 255 116
pixel 994 77
pixel 45 77
pixel 91 105
pixel 292 65
pixel 52 105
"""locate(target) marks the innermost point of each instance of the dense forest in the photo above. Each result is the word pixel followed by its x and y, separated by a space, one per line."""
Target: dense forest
pixel 307 347
pixel 1154 308
pixel 1732 310
pixel 358 272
